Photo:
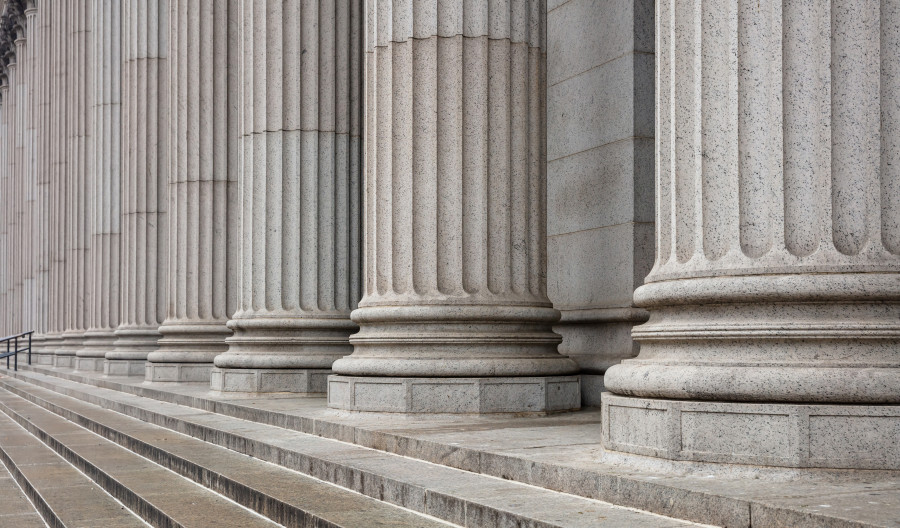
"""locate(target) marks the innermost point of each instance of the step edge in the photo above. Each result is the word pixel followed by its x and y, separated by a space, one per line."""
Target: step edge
pixel 225 485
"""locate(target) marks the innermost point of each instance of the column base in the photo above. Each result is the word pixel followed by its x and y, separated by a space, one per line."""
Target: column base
pixel 305 381
pixel 542 394
pixel 44 359
pixel 96 344
pixel 178 372
pixel 765 434
pixel 64 355
pixel 89 364
pixel 124 367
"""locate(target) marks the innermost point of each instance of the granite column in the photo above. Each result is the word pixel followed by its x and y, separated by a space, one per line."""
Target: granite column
pixel 145 115
pixel 300 206
pixel 455 316
pixel 58 192
pixel 203 204
pixel 78 278
pixel 775 298
pixel 105 212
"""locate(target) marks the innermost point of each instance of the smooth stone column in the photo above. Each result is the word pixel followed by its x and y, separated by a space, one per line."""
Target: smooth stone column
pixel 775 299
pixel 300 204
pixel 56 131
pixel 144 246
pixel 105 217
pixel 203 188
pixel 455 316
pixel 79 279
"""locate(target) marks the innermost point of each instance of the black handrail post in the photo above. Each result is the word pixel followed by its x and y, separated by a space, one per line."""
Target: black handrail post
pixel 16 356
pixel 7 355
pixel 29 348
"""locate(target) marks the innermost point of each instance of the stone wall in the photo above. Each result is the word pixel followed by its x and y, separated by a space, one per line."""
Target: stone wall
pixel 600 176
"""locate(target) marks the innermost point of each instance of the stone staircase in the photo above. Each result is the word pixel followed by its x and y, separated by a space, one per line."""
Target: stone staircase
pixel 88 456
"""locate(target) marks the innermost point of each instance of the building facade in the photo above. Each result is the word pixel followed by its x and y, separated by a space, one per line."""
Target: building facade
pixel 685 212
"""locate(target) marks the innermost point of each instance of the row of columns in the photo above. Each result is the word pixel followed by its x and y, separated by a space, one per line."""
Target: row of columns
pixel 238 180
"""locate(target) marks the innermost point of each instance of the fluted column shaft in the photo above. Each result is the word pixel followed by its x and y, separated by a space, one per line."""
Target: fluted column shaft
pixel 779 194
pixel 300 206
pixel 205 63
pixel 5 235
pixel 104 189
pixel 40 223
pixel 56 133
pixel 15 178
pixel 78 276
pixel 777 277
pixel 29 179
pixel 455 280
pixel 145 117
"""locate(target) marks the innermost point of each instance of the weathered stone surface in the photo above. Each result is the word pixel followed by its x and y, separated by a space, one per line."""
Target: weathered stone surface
pixel 776 277
pixel 455 395
pixel 203 201
pixel 145 169
pixel 561 452
pixel 301 180
pixel 446 493
pixel 455 282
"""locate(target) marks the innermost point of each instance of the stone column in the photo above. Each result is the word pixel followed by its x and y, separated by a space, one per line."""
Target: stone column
pixel 299 254
pixel 455 316
pixel 5 235
pixel 105 214
pixel 15 172
pixel 40 59
pixel 28 173
pixel 56 131
pixel 204 41
pixel 775 298
pixel 145 115
pixel 78 276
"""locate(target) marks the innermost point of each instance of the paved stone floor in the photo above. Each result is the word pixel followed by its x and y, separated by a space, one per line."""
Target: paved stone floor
pixel 562 452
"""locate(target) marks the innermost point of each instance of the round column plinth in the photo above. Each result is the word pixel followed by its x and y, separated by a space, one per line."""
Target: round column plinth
pixel 64 355
pixel 290 354
pixel 91 358
pixel 129 357
pixel 542 394
pixel 462 341
pixel 186 352
pixel 824 338
pixel 764 434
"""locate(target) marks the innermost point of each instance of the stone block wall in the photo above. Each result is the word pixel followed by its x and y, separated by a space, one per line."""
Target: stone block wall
pixel 600 176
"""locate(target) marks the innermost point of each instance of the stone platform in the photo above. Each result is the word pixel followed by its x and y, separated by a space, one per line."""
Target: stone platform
pixel 561 452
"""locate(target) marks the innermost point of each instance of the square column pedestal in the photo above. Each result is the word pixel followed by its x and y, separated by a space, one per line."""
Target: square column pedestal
pixel 455 395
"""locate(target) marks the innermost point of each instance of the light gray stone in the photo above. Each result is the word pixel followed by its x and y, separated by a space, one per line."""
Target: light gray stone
pixel 300 243
pixel 203 201
pixel 774 280
pixel 145 169
pixel 104 221
pixel 455 395
pixel 456 228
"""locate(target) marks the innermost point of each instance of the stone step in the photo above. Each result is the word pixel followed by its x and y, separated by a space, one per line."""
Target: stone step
pixel 16 511
pixel 146 479
pixel 63 496
pixel 159 496
pixel 456 496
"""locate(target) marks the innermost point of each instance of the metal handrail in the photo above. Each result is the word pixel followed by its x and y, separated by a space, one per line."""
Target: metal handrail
pixel 14 353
